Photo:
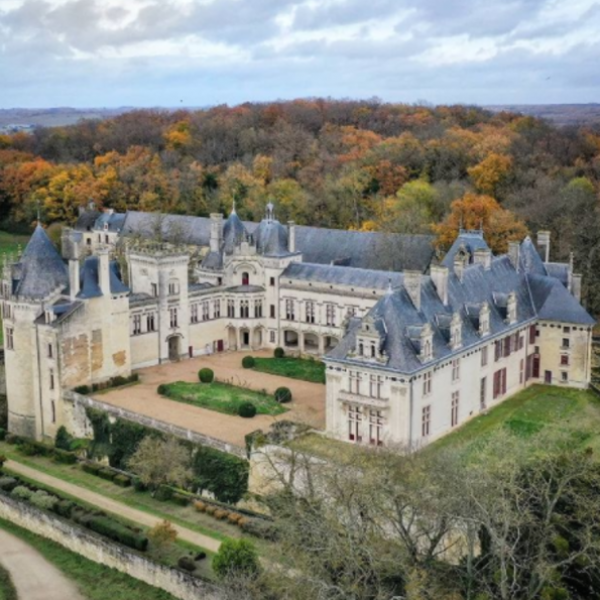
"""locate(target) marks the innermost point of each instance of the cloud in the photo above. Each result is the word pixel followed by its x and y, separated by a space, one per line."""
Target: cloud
pixel 157 52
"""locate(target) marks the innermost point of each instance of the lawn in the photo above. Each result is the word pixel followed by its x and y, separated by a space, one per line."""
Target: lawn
pixel 7 589
pixel 10 243
pixel 95 582
pixel 222 397
pixel 535 409
pixel 295 368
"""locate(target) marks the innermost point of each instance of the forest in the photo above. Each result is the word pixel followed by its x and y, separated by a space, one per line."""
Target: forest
pixel 364 165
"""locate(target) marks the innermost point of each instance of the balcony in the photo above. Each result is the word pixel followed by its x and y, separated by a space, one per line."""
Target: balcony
pixel 351 397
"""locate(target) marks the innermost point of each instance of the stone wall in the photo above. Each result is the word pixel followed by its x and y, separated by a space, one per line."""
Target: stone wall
pixel 79 425
pixel 96 548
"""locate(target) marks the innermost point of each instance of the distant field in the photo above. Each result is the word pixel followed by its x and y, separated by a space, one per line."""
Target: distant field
pixel 559 114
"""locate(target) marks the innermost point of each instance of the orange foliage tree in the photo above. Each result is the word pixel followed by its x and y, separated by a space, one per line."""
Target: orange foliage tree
pixel 491 172
pixel 473 211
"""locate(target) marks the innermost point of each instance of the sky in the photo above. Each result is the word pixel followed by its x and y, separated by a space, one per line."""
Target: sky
pixel 196 53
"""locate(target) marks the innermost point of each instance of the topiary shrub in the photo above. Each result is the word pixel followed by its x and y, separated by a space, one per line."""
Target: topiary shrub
pixel 162 389
pixel 247 410
pixel 122 480
pixel 186 563
pixel 279 353
pixel 234 518
pixel 248 362
pixel 44 500
pixel 199 506
pixel 200 555
pixel 180 499
pixel 210 510
pixel 22 492
pixel 283 395
pixel 206 375
pixel 8 484
pixel 118 380
pixel 221 514
pixel 64 457
pixel 84 390
pixel 236 557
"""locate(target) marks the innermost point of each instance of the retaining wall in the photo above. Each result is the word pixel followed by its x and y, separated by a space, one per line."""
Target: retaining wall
pixel 98 549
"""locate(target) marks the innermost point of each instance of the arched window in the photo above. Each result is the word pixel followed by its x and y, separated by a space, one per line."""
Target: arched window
pixel 245 278
pixel 361 349
pixel 372 350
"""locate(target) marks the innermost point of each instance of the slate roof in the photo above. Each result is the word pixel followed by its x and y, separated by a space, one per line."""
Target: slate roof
pixel 538 296
pixel 213 261
pixel 468 241
pixel 90 281
pixel 234 232
pixel 334 275
pixel 86 220
pixel 361 249
pixel 530 260
pixel 271 238
pixel 114 221
pixel 41 269
pixel 141 299
pixel 245 289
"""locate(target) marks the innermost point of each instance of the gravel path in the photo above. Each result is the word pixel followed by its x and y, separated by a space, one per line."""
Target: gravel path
pixel 32 575
pixel 308 405
pixel 109 505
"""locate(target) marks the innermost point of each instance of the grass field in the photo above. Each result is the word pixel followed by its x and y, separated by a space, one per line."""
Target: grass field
pixel 295 368
pixel 222 397
pixel 95 582
pixel 7 589
pixel 9 244
pixel 535 409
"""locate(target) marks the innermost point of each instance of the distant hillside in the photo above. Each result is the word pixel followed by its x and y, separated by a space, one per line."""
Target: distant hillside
pixel 560 114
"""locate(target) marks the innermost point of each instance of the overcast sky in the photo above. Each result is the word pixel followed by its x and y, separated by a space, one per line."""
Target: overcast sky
pixel 93 53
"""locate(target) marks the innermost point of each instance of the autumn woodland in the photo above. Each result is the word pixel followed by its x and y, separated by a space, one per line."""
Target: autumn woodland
pixel 343 164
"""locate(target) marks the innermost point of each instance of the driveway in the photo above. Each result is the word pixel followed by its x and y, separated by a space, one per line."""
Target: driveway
pixel 308 405
pixel 32 575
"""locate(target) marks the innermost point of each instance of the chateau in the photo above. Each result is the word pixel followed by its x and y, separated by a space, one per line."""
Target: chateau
pixel 413 346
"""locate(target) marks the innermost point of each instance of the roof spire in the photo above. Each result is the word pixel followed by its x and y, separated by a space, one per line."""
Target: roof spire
pixel 270 210
pixel 233 212
pixel 39 218
pixel 389 287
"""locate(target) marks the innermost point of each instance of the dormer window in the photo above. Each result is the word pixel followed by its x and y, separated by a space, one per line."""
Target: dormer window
pixel 456 331
pixel 511 308
pixel 426 339
pixel 361 349
pixel 484 319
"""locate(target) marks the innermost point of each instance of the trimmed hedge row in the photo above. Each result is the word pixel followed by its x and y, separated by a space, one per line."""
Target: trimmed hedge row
pixel 118 532
pixel 34 448
pixel 117 381
pixel 107 473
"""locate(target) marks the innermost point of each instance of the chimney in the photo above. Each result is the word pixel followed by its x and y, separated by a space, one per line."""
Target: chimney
pixel 73 278
pixel 439 277
pixel 483 256
pixel 104 270
pixel 543 242
pixel 412 284
pixel 576 286
pixel 514 248
pixel 216 231
pixel 459 267
pixel 292 236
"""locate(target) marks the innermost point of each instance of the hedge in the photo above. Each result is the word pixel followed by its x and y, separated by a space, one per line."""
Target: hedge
pixel 91 468
pixel 118 532
pixel 107 474
pixel 279 353
pixel 180 499
pixel 122 480
pixel 8 484
pixel 163 493
pixel 206 375
pixel 64 457
pixel 222 474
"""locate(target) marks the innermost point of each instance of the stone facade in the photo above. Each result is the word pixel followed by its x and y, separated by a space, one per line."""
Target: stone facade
pixel 409 355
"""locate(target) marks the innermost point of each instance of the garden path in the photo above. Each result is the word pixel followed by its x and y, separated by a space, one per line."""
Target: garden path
pixel 109 505
pixel 308 405
pixel 32 575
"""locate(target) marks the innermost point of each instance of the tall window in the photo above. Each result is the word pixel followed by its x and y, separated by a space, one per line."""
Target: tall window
pixel 564 359
pixel 484 356
pixel 426 420
pixel 173 288
pixel 245 279
pixel 427 383
pixel 497 350
pixel 244 309
pixel 154 287
pixel 173 317
pixel 150 323
pixel 137 324
pixel 507 345
pixel 521 371
pixel 375 428
pixel 289 310
pixel 216 309
pixel 566 343
pixel 258 309
pixel 272 281
pixel 375 383
pixel 231 308
pixel 194 313
pixel 330 315
pixel 354 382
pixel 351 311
pixel 482 392
pixel 310 311
pixel 51 377
pixel 272 311
pixel 532 334
pixel 455 369
pixel 499 383
pixel 354 419
pixel 205 310
pixel 454 409
pixel 50 351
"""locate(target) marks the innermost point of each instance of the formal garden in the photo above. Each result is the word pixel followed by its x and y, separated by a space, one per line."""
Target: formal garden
pixel 225 397
pixel 306 369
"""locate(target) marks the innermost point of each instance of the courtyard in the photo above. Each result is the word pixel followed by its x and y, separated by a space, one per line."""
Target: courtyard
pixel 307 406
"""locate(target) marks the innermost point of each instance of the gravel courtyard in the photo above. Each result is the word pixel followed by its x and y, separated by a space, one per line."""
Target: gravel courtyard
pixel 308 405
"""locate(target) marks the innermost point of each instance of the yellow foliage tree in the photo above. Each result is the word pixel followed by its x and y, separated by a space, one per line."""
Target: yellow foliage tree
pixel 473 211
pixel 490 172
